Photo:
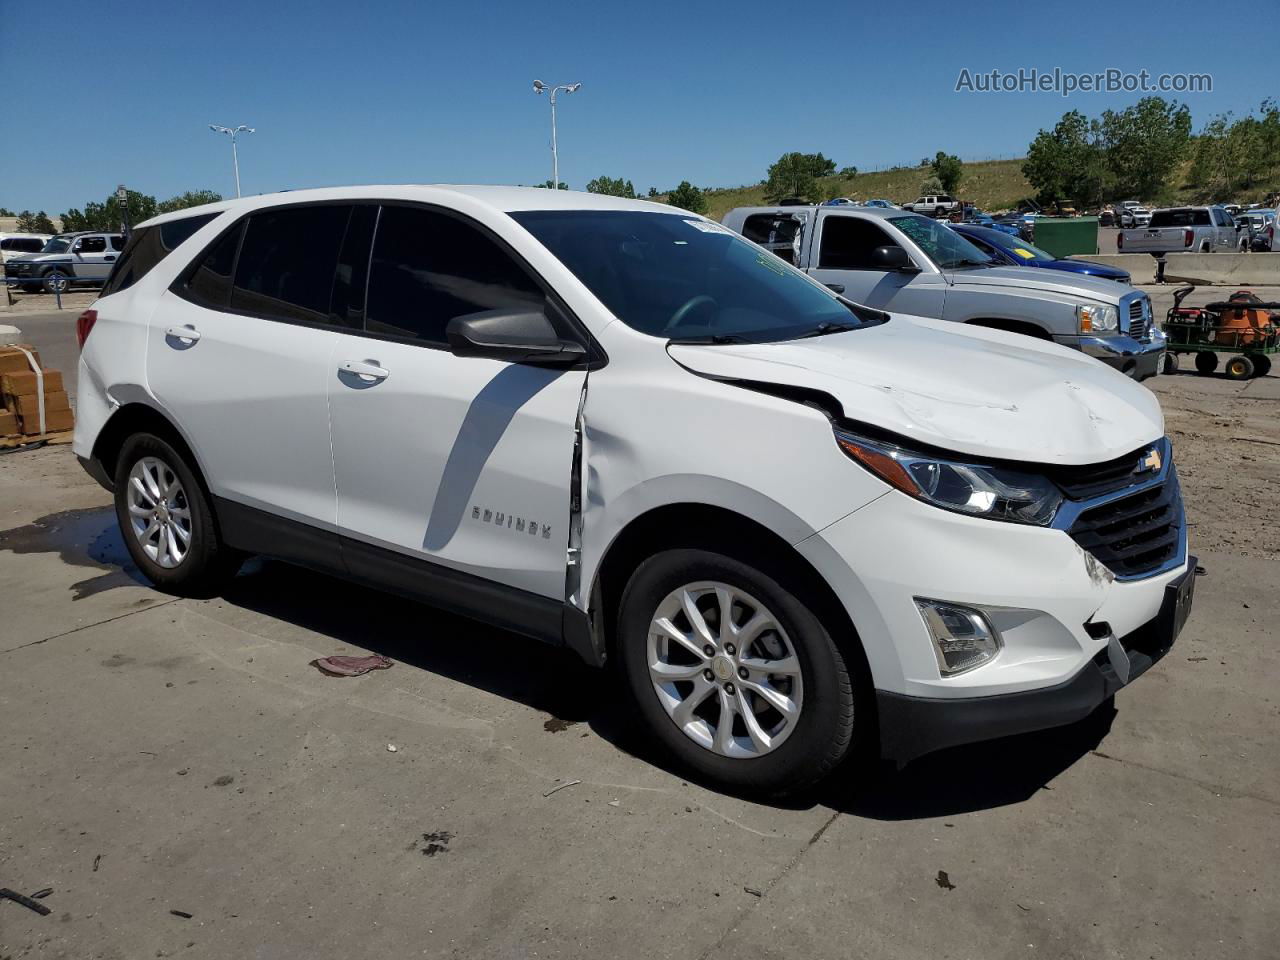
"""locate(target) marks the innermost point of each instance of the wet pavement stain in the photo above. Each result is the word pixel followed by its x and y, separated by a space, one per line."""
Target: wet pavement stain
pixel 556 725
pixel 81 538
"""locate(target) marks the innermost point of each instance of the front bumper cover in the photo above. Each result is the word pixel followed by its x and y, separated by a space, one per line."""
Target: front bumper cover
pixel 1137 358
pixel 913 726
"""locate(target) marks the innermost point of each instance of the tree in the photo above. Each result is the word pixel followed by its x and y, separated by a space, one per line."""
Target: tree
pixel 1144 144
pixel 192 198
pixel 29 222
pixel 931 185
pixel 548 184
pixel 948 169
pixel 612 188
pixel 688 197
pixel 653 191
pixel 108 215
pixel 6 212
pixel 1067 162
pixel 848 172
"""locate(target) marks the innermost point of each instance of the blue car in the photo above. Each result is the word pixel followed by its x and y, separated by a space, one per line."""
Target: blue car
pixel 1006 249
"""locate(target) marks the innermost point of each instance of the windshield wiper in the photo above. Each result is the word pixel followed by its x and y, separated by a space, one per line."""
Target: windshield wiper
pixel 822 329
pixel 710 339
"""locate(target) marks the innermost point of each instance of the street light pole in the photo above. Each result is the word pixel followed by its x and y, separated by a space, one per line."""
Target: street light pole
pixel 540 87
pixel 235 157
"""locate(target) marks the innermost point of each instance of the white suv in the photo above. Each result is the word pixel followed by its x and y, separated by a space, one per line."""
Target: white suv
pixel 795 522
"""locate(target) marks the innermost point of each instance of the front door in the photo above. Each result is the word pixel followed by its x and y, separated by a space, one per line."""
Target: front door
pixel 464 463
pixel 92 258
pixel 845 247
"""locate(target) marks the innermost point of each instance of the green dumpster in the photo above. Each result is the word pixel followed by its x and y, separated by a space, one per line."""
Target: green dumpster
pixel 1064 236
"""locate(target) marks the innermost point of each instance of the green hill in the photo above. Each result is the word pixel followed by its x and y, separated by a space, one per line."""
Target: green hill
pixel 992 185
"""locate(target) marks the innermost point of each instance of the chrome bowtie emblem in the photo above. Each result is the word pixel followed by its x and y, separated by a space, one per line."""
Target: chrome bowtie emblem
pixel 1151 461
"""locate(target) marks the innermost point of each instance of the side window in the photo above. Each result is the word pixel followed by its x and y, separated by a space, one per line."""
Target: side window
pixel 117 242
pixel 146 247
pixel 428 268
pixel 779 235
pixel 91 245
pixel 848 243
pixel 982 245
pixel 287 261
pixel 208 283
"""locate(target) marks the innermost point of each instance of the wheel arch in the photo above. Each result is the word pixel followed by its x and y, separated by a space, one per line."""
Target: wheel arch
pixel 1025 327
pixel 139 417
pixel 677 525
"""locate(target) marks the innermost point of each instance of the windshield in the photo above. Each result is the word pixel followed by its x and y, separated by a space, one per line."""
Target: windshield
pixel 57 245
pixel 946 248
pixel 670 275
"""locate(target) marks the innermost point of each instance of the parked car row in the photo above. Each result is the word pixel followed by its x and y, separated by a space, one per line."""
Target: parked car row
pixel 65 261
pixel 1205 229
pixel 901 261
pixel 804 514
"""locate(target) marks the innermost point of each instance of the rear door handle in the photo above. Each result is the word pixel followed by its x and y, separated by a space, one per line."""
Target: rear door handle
pixel 366 370
pixel 187 333
pixel 108 259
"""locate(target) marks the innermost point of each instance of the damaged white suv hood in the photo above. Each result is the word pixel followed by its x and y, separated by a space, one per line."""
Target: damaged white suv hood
pixel 981 392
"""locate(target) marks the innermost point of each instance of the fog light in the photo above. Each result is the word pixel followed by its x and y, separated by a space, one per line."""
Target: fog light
pixel 962 637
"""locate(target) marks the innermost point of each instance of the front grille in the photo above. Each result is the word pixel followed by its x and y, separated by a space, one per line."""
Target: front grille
pixel 1139 318
pixel 1099 479
pixel 1135 534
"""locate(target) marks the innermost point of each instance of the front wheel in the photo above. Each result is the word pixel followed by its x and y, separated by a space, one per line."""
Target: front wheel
pixel 56 281
pixel 733 673
pixel 1206 362
pixel 167 522
pixel 1170 365
pixel 1261 365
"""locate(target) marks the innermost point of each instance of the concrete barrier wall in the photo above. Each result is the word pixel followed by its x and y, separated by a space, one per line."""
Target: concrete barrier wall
pixel 1226 269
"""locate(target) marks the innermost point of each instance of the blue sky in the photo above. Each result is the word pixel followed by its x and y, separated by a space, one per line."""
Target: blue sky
pixel 441 92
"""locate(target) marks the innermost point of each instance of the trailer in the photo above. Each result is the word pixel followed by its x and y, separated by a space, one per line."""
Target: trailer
pixel 1243 328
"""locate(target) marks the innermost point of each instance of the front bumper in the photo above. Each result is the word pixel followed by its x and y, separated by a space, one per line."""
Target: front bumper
pixel 913 726
pixel 1138 359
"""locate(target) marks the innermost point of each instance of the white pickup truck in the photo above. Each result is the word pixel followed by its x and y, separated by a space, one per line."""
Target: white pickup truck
pixel 1184 230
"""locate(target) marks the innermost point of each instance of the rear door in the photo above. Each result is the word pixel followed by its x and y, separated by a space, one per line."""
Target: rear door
pixel 239 355
pixel 92 257
pixel 463 463
pixel 843 252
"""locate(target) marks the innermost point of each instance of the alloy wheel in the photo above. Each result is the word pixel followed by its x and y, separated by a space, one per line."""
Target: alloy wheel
pixel 724 669
pixel 159 512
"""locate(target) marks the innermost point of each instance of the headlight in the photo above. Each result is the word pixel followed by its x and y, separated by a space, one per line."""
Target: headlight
pixel 1097 318
pixel 995 493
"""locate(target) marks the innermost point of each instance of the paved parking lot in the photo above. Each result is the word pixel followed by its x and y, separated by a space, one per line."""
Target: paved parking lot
pixel 188 785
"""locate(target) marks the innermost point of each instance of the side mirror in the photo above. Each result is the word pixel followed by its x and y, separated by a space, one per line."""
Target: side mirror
pixel 78 245
pixel 893 258
pixel 516 336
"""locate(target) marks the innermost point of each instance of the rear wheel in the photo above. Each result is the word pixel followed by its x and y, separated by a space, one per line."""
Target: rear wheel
pixel 1170 365
pixel 733 673
pixel 1239 367
pixel 1261 365
pixel 166 519
pixel 1206 362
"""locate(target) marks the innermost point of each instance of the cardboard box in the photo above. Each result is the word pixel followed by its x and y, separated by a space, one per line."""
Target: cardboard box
pixel 8 423
pixel 20 384
pixel 28 405
pixel 14 361
pixel 53 422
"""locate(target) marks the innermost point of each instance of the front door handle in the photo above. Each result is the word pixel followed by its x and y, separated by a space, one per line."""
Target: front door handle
pixel 108 259
pixel 187 334
pixel 367 370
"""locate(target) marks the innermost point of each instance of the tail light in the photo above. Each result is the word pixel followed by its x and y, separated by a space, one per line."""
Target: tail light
pixel 1188 237
pixel 84 326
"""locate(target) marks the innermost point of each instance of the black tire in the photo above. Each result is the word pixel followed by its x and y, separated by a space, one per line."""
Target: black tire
pixel 208 563
pixel 1261 365
pixel 1239 367
pixel 1206 362
pixel 1170 366
pixel 937 212
pixel 51 281
pixel 824 730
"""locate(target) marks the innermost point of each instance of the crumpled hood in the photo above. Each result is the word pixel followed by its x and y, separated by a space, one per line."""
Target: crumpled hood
pixel 1060 282
pixel 981 392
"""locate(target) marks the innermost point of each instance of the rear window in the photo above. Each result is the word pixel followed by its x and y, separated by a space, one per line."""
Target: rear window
pixel 1181 217
pixel 147 246
pixel 22 244
pixel 780 234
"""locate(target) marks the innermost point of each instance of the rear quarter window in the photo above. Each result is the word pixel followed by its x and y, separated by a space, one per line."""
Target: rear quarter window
pixel 147 246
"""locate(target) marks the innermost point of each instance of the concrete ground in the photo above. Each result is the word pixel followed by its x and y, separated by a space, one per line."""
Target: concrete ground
pixel 188 785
